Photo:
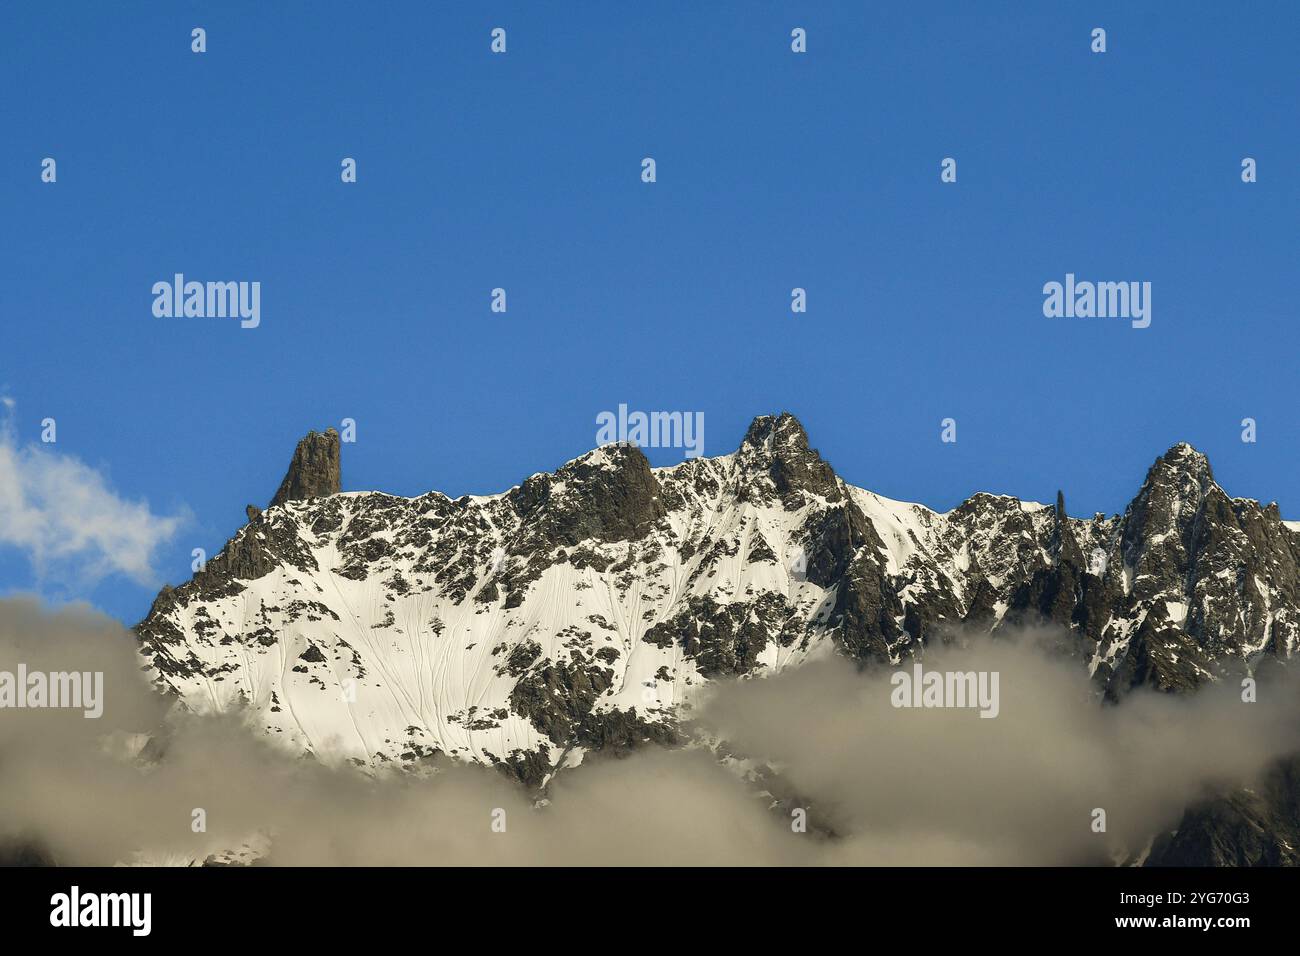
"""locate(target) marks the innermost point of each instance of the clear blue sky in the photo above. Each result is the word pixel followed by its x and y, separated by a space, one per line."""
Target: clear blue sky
pixel 523 171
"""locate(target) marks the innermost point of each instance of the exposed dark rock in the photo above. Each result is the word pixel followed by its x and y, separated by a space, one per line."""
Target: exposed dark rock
pixel 775 451
pixel 314 470
pixel 1256 827
pixel 558 696
pixel 608 495
pixel 726 638
pixel 312 655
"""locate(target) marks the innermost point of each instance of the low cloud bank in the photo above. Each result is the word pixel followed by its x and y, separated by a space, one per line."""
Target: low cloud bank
pixel 896 786
pixel 943 785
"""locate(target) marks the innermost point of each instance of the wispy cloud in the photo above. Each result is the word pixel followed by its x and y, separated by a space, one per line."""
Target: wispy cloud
pixel 62 514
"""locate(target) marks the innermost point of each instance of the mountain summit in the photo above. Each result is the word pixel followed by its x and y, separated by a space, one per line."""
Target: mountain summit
pixel 313 471
pixel 581 610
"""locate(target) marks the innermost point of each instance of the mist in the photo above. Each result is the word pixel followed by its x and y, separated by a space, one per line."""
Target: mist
pixel 879 785
pixel 945 786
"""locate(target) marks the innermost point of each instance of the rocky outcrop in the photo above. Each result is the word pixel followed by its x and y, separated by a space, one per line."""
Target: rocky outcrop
pixel 1248 827
pixel 314 470
pixel 608 495
pixel 780 464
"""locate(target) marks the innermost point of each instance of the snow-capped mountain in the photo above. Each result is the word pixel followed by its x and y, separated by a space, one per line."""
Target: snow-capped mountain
pixel 581 609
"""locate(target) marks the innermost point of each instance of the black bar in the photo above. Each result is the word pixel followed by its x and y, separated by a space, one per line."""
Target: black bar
pixel 268 904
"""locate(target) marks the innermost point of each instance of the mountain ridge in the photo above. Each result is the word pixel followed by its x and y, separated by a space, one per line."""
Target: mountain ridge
pixel 581 609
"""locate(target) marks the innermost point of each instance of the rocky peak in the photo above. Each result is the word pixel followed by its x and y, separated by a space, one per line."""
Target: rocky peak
pixel 314 470
pixel 1184 457
pixel 609 494
pixel 769 432
pixel 1181 469
pixel 1170 500
pixel 776 451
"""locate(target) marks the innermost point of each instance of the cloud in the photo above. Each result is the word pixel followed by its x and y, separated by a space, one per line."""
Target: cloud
pixel 945 786
pixel 71 526
pixel 893 787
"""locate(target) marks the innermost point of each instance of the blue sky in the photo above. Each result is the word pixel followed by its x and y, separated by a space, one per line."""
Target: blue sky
pixel 522 171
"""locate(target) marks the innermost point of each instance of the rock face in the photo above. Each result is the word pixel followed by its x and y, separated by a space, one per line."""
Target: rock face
pixel 314 470
pixel 580 610
pixel 1259 827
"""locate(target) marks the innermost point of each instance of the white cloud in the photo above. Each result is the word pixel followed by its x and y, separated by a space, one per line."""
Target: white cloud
pixel 62 514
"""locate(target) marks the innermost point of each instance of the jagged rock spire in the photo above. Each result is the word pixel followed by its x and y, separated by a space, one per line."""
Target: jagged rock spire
pixel 777 445
pixel 776 431
pixel 314 470
pixel 1175 491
